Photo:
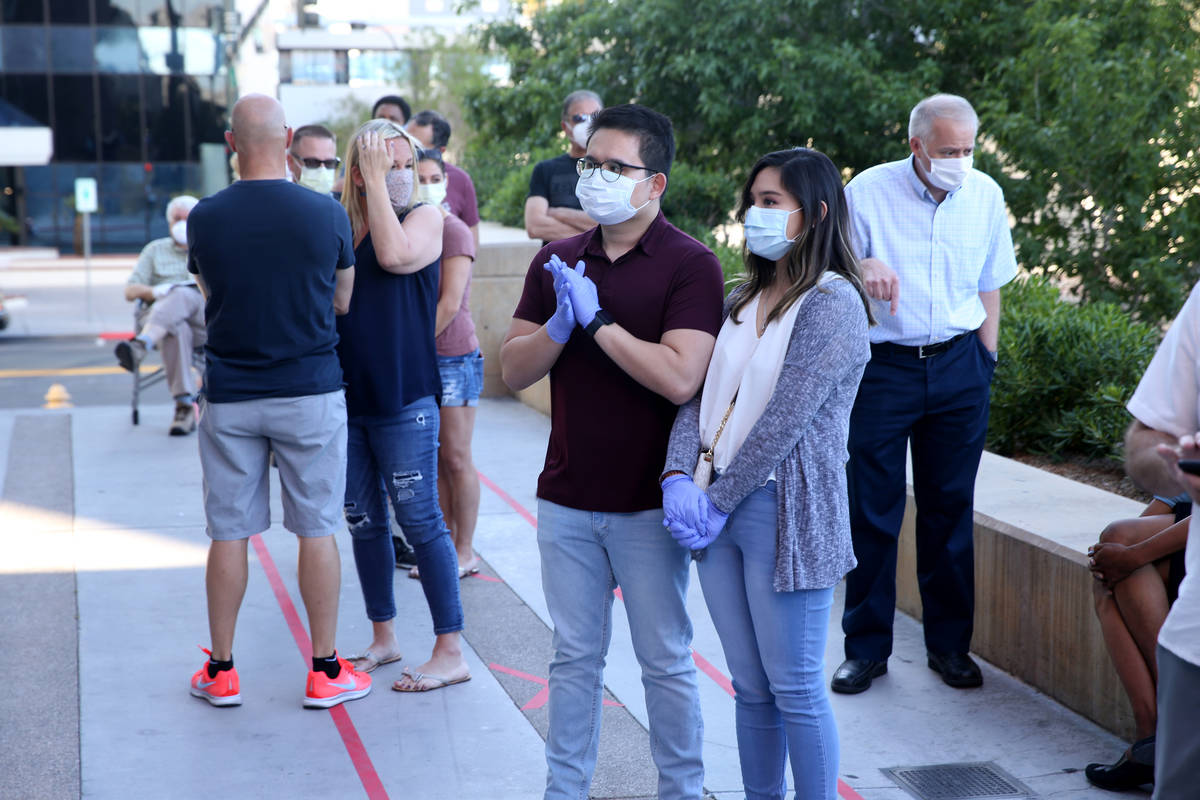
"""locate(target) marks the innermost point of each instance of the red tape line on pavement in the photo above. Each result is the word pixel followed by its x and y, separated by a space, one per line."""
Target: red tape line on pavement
pixel 341 719
pixel 702 663
pixel 503 495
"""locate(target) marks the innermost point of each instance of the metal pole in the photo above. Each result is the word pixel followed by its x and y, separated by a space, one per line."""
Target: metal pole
pixel 87 259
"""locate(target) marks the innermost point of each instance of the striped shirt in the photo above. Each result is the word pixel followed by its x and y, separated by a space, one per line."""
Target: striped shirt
pixel 944 253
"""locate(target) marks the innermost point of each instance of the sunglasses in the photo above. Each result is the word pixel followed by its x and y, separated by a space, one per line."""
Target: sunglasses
pixel 578 118
pixel 313 163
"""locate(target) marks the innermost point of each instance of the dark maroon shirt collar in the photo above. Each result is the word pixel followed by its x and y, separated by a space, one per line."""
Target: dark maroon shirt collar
pixel 648 244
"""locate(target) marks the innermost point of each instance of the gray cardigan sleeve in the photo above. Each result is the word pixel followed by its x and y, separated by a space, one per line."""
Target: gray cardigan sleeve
pixel 825 339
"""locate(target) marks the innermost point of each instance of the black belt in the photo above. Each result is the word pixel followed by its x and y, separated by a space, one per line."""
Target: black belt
pixel 920 351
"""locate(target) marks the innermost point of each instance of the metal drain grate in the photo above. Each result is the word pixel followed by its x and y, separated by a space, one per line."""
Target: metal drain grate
pixel 968 781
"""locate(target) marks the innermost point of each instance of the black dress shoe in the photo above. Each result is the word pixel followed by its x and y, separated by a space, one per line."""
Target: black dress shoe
pixel 1126 773
pixel 855 674
pixel 956 669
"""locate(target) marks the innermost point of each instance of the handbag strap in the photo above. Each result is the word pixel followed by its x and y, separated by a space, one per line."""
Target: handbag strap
pixel 712 448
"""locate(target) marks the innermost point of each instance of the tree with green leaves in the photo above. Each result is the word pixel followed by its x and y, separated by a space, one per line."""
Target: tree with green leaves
pixel 1088 110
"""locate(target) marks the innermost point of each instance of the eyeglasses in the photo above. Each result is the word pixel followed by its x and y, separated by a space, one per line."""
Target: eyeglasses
pixel 578 118
pixel 609 170
pixel 313 163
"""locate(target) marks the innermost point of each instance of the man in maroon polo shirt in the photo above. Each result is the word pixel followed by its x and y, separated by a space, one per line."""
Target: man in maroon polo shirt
pixel 623 317
pixel 432 130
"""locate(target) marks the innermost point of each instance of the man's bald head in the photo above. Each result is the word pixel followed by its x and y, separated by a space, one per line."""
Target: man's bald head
pixel 259 134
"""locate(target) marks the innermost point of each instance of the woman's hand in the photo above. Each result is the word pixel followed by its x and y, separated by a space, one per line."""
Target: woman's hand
pixel 374 159
pixel 1112 563
pixel 685 508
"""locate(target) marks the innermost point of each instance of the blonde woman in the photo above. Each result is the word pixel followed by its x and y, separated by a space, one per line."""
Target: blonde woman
pixel 392 393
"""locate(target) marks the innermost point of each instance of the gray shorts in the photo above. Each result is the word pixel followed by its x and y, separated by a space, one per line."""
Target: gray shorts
pixel 307 435
pixel 1177 739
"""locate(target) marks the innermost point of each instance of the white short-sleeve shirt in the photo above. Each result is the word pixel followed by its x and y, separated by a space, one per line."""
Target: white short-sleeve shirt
pixel 1168 399
pixel 944 253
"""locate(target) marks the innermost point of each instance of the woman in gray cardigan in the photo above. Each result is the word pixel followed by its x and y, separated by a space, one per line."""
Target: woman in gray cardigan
pixel 773 527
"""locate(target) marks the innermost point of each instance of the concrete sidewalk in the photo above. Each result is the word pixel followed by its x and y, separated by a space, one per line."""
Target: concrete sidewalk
pixel 102 551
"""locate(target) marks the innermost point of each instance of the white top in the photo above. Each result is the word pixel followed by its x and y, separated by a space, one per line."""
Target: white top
pixel 748 365
pixel 944 253
pixel 1167 400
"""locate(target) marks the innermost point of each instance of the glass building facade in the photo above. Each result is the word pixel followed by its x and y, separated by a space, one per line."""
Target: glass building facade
pixel 131 90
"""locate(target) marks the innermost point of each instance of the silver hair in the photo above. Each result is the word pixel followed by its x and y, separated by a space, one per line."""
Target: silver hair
pixel 184 202
pixel 944 106
pixel 576 96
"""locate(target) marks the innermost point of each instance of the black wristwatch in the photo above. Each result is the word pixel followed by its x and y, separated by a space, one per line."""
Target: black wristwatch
pixel 602 318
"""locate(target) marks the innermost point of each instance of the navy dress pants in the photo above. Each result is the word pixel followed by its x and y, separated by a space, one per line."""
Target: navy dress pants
pixel 940 404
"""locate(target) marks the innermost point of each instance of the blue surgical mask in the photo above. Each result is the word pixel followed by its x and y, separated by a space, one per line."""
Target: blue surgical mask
pixel 766 232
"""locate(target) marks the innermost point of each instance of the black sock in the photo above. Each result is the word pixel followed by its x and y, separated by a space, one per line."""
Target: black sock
pixel 215 666
pixel 329 666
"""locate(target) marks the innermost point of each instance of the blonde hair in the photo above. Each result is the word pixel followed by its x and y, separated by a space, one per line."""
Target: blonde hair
pixel 350 194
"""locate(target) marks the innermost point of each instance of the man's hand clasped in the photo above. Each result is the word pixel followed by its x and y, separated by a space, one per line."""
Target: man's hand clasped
pixel 584 298
pixel 688 513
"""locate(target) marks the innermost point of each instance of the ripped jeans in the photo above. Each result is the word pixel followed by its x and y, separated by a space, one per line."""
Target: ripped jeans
pixel 397 456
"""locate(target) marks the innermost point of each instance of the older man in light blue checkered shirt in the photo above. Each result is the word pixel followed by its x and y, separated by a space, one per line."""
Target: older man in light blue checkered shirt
pixel 934 238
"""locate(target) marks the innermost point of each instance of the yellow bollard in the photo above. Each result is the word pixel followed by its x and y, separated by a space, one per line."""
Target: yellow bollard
pixel 57 396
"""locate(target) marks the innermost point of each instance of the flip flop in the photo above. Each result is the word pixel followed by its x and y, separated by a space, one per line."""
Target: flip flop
pixel 416 679
pixel 368 661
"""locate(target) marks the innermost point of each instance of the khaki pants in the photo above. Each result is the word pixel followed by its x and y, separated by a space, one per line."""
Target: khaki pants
pixel 175 325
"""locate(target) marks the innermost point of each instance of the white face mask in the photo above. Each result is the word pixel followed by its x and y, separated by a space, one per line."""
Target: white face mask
pixel 580 132
pixel 766 232
pixel 608 202
pixel 432 193
pixel 318 179
pixel 179 232
pixel 948 173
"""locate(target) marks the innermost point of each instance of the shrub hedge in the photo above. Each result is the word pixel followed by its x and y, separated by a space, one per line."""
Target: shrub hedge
pixel 1066 371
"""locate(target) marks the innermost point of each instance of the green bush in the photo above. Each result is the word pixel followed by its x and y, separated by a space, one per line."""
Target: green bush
pixel 1065 373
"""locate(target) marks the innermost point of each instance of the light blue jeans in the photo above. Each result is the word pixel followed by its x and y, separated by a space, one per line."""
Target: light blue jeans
pixel 774 644
pixel 397 457
pixel 585 555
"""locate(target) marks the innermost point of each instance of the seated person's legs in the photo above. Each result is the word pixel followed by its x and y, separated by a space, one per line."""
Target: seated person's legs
pixel 170 324
pixel 1131 567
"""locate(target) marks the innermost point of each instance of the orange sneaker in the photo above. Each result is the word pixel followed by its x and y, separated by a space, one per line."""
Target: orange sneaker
pixel 323 691
pixel 221 690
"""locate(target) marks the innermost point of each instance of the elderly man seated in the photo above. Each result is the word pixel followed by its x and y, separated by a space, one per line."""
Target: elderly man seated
pixel 172 317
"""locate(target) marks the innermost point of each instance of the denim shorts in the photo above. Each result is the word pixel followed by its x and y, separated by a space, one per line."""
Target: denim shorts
pixel 462 379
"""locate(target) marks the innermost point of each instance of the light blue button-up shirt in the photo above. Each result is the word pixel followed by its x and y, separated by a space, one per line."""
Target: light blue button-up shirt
pixel 944 253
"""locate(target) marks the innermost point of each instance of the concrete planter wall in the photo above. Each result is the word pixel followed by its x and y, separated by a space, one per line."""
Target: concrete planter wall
pixel 1033 592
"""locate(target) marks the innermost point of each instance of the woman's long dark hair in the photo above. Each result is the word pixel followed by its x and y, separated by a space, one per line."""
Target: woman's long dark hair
pixel 823 243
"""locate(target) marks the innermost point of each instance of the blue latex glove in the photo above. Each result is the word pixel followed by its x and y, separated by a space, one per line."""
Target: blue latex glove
pixel 584 299
pixel 715 519
pixel 684 507
pixel 560 326
pixel 556 267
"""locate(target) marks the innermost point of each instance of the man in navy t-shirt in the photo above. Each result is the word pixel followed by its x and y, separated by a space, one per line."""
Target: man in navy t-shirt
pixel 275 262
pixel 551 209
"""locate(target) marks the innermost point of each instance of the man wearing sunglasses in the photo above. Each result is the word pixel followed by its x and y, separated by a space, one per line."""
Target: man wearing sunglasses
pixel 551 210
pixel 313 158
